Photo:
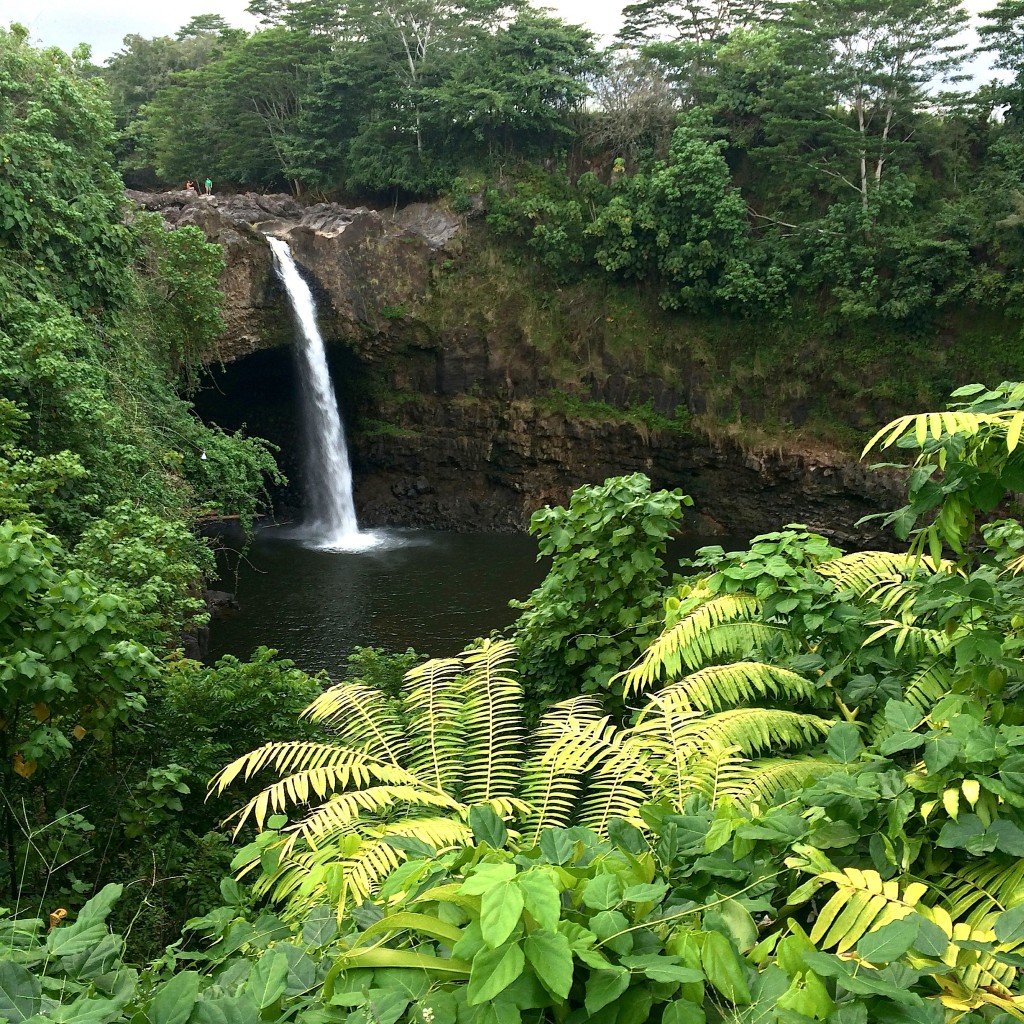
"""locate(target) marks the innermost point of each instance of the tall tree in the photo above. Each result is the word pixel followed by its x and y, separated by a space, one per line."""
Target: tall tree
pixel 877 64
pixel 684 35
pixel 517 89
pixel 410 35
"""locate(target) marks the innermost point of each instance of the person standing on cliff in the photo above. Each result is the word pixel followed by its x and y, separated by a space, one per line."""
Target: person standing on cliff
pixel 209 187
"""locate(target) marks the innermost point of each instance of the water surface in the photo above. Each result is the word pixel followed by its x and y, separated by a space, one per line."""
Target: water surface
pixel 429 590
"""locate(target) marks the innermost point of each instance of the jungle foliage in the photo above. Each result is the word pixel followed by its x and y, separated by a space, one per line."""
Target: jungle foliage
pixel 822 159
pixel 799 802
pixel 785 784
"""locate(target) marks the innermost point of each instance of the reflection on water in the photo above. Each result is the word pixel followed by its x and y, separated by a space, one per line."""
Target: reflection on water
pixel 424 589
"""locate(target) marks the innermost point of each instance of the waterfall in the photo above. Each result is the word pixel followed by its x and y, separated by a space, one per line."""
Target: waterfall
pixel 331 520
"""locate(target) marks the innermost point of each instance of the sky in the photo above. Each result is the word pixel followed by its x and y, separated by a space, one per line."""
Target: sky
pixel 104 23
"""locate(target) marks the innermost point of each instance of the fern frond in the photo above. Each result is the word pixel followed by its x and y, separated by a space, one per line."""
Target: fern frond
pixel 493 723
pixel 917 641
pixel 687 641
pixel 432 699
pixel 753 731
pixel 340 814
pixel 314 767
pixel 364 718
pixel 862 571
pixel 550 791
pixel 713 776
pixel 762 780
pixel 862 903
pixel 742 682
pixel 620 782
pixel 983 889
pixel 976 977
pixel 934 424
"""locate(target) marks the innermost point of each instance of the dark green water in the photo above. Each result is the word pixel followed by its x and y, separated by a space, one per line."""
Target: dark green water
pixel 428 590
pixel 423 589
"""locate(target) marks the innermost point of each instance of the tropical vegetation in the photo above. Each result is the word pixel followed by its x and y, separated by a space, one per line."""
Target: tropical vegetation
pixel 782 783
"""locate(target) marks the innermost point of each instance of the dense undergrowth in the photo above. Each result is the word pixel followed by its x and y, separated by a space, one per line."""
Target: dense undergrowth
pixel 780 784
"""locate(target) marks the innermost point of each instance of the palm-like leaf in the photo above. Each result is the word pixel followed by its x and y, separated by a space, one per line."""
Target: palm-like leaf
pixel 432 696
pixel 313 769
pixel 493 724
pixel 552 786
pixel 679 736
pixel 863 571
pixel 761 781
pixel 719 630
pixel 742 682
pixel 362 718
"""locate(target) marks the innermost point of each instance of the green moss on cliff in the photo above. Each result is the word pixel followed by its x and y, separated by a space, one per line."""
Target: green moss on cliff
pixel 596 340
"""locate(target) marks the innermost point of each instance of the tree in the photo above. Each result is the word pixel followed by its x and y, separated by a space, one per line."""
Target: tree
pixel 875 62
pixel 682 222
pixel 589 618
pixel 683 36
pixel 515 90
pixel 239 117
pixel 409 36
pixel 636 108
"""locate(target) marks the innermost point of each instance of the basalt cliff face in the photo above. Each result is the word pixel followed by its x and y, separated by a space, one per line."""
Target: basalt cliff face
pixel 451 417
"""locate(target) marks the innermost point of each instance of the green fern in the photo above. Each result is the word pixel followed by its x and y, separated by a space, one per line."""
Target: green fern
pixel 742 682
pixel 720 629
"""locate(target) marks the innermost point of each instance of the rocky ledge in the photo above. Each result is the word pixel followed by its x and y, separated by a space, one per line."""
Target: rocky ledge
pixel 364 265
pixel 470 442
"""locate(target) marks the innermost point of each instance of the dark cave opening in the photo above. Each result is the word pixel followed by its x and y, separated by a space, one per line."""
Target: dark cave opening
pixel 259 395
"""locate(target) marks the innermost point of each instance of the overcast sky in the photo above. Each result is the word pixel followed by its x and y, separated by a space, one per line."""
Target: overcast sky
pixel 104 23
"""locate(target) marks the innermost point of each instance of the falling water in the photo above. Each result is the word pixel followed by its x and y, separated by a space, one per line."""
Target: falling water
pixel 331 521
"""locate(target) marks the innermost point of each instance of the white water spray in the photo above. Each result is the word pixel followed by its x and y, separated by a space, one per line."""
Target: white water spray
pixel 331 521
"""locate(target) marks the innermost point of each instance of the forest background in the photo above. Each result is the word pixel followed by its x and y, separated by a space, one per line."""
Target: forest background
pixel 783 786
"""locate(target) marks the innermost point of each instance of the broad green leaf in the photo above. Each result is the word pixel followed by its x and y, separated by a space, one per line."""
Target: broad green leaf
pixel 100 959
pixel 76 938
pixel 556 846
pixel 540 897
pixel 235 1010
pixel 1010 925
pixel 101 904
pixel 269 979
pixel 662 968
pixel 486 876
pixel 549 955
pixel 940 750
pixel 681 1011
pixel 173 1002
pixel 902 716
pixel 1009 837
pixel 890 941
pixel 320 926
pixel 645 892
pixel 492 971
pixel 718 835
pixel 20 993
pixel 487 826
pixel 734 921
pixel 438 1007
pixel 603 892
pixel 500 910
pixel 723 968
pixel 604 987
pixel 611 928
pixel 844 743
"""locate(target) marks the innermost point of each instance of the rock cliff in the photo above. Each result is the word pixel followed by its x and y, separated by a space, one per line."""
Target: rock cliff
pixel 452 426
